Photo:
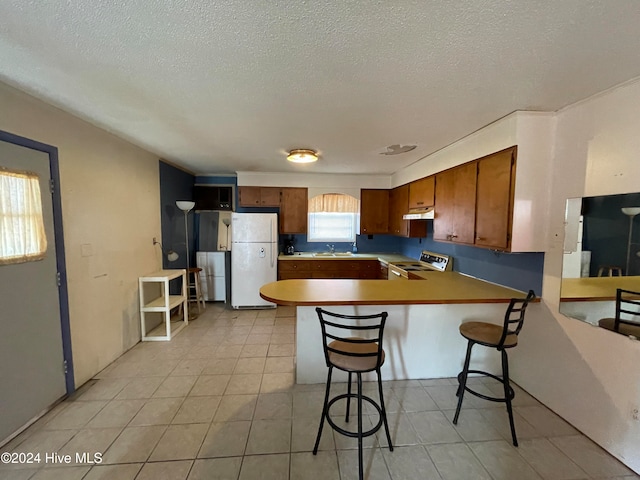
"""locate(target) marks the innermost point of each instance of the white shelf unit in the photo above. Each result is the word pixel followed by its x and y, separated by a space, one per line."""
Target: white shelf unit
pixel 163 304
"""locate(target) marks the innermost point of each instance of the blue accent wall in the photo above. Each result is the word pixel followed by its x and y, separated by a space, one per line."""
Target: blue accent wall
pixel 522 271
pixel 606 232
pixel 176 184
pixel 376 244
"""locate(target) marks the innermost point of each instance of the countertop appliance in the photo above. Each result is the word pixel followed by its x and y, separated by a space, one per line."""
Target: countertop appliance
pixel 289 248
pixel 213 275
pixel 254 257
pixel 429 261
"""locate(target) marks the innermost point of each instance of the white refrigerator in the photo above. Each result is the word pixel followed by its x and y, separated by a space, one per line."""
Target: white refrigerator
pixel 254 257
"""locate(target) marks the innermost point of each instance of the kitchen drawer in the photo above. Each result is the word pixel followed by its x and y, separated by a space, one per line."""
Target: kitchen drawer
pixel 293 274
pixel 296 265
pixel 326 265
pixel 327 274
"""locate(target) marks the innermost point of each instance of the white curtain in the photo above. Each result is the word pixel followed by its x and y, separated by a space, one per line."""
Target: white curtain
pixel 22 235
pixel 334 203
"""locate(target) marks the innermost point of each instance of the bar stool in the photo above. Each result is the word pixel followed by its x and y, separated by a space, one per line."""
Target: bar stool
pixel 353 355
pixel 195 288
pixel 500 338
pixel 610 270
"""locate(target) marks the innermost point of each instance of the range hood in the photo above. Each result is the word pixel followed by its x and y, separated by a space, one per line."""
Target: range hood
pixel 419 214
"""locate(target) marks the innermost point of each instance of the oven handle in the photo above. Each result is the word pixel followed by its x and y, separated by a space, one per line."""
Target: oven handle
pixel 396 273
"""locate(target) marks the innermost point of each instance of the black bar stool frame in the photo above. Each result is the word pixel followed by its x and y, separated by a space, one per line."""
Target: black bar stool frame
pixel 353 355
pixel 501 338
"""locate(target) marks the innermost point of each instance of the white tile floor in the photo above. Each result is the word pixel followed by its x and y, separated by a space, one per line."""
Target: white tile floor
pixel 219 402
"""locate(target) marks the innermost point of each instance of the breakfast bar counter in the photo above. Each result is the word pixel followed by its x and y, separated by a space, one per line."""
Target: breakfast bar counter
pixel 436 288
pixel 421 337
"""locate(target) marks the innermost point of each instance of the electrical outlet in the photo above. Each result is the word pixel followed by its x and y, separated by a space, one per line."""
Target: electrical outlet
pixel 155 240
pixel 635 414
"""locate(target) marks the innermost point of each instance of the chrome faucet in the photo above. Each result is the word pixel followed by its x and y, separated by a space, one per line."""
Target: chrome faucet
pixel 332 248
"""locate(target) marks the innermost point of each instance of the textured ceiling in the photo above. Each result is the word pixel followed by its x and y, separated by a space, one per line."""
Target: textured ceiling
pixel 218 87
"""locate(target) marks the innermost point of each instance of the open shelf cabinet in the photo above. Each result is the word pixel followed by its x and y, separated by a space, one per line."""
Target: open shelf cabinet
pixel 163 304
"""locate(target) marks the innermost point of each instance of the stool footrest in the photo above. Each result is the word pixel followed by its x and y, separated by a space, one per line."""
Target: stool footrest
pixel 511 393
pixel 349 433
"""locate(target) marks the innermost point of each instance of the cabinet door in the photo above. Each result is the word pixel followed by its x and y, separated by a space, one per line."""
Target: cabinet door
pixel 259 196
pixel 269 197
pixel 455 204
pixel 421 192
pixel 495 200
pixel 293 210
pixel 249 196
pixel 374 211
pixel 464 213
pixel 398 206
pixel 445 194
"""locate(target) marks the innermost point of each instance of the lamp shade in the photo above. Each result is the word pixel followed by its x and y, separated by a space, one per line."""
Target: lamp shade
pixel 631 211
pixel 185 205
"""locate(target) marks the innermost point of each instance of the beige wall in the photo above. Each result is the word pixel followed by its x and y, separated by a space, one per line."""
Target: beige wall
pixel 111 212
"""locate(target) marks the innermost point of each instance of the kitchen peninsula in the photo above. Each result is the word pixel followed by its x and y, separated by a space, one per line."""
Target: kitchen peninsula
pixel 421 336
pixel 592 298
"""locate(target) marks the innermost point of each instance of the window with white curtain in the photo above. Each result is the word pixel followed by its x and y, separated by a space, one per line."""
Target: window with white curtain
pixel 22 235
pixel 333 217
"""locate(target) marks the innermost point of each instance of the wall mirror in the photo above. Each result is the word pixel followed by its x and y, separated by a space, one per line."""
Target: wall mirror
pixel 601 254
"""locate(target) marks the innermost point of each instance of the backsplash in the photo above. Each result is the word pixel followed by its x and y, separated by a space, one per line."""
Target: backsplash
pixel 522 271
pixel 376 244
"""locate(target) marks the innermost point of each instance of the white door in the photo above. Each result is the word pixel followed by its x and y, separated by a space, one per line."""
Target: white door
pixel 32 375
pixel 252 266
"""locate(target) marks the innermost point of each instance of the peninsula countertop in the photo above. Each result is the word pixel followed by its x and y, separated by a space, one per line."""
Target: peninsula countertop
pixel 589 289
pixel 436 288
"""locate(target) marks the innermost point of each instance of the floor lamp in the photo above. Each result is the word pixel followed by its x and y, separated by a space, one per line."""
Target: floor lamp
pixel 631 212
pixel 186 206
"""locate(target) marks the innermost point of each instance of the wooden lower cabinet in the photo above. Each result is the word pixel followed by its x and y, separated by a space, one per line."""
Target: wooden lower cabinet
pixel 383 271
pixel 347 269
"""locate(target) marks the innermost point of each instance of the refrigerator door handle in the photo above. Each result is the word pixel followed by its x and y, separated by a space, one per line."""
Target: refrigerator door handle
pixel 271 236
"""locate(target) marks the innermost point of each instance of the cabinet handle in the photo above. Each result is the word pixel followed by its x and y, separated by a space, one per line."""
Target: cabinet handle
pixel 420 203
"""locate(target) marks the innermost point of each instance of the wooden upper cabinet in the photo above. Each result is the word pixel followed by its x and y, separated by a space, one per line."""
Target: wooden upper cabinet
pixel 445 193
pixel 421 192
pixel 494 203
pixel 398 206
pixel 456 204
pixel 259 196
pixel 293 210
pixel 374 211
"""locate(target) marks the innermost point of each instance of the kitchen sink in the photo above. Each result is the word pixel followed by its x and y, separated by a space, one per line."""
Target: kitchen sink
pixel 343 254
pixel 329 254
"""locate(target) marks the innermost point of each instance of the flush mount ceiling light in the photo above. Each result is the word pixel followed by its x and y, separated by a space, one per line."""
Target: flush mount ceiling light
pixel 302 155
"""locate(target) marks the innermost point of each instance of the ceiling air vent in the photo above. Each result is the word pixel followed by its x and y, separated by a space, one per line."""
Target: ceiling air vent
pixel 398 149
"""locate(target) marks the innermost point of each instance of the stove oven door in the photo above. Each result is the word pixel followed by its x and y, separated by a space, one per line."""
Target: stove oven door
pixel 396 273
